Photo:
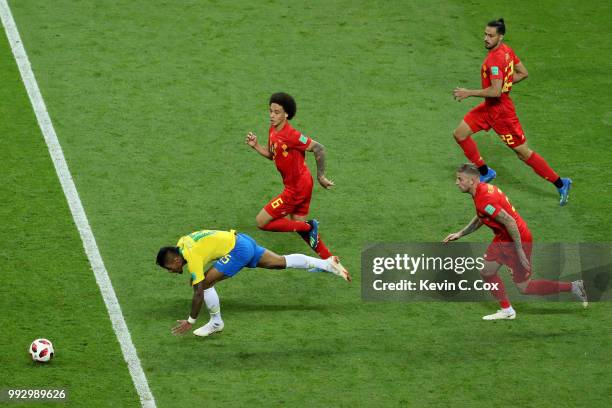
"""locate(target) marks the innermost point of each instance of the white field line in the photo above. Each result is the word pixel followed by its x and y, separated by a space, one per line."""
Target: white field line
pixel 76 208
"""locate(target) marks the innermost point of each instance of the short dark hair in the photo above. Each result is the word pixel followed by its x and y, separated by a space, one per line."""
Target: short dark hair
pixel 499 25
pixel 468 168
pixel 286 101
pixel 164 255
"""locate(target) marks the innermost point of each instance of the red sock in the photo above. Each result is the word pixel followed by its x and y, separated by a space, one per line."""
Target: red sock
pixel 286 225
pixel 547 287
pixel 471 151
pixel 500 292
pixel 539 165
pixel 321 249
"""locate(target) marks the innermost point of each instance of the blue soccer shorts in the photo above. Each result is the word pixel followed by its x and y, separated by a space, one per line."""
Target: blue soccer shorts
pixel 246 252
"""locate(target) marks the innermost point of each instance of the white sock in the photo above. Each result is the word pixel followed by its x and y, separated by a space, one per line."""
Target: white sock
pixel 306 262
pixel 211 298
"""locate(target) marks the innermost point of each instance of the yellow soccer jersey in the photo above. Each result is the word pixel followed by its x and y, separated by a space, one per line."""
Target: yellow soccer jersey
pixel 202 247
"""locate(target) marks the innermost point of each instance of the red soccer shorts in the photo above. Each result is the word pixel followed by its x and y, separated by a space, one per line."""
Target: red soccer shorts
pixel 508 128
pixel 290 202
pixel 504 253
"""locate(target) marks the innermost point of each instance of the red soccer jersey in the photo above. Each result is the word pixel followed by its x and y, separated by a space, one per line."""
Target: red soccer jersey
pixel 287 147
pixel 499 64
pixel 489 201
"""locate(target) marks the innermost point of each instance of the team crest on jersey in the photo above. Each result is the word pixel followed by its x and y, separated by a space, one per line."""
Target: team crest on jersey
pixel 494 71
pixel 489 209
pixel 303 139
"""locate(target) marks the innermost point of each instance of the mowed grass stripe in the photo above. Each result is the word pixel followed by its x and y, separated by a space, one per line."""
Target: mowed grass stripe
pixel 48 298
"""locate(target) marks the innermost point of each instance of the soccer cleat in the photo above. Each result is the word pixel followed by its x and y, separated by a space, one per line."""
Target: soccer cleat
pixel 313 234
pixel 338 269
pixel 580 292
pixel 491 174
pixel 209 328
pixel 564 191
pixel 501 314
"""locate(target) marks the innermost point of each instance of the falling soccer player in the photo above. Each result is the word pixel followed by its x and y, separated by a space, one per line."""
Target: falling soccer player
pixel 230 252
pixel 511 245
pixel 288 211
pixel 500 70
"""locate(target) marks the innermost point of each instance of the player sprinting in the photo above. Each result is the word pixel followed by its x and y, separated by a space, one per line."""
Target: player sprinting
pixel 230 252
pixel 500 70
pixel 511 245
pixel 286 147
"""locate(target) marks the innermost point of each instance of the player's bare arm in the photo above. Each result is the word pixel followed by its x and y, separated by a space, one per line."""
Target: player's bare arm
pixel 520 73
pixel 196 305
pixel 319 154
pixel 507 221
pixel 251 140
pixel 468 229
pixel 494 91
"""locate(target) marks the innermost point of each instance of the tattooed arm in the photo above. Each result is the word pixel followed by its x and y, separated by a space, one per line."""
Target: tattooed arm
pixel 507 221
pixel 319 154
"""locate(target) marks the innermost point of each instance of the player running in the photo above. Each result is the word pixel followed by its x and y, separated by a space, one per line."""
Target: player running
pixel 511 245
pixel 286 146
pixel 500 70
pixel 230 252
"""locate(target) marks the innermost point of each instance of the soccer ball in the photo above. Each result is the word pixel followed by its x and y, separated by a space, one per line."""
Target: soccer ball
pixel 41 350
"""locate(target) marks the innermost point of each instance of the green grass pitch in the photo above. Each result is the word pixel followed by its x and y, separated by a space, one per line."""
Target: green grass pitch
pixel 151 102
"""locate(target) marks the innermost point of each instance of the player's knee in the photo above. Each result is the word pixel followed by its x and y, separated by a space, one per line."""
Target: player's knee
pixel 486 274
pixel 459 135
pixel 523 154
pixel 261 222
pixel 522 287
pixel 273 261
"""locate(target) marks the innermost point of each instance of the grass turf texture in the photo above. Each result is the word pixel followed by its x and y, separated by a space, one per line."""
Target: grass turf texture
pixel 48 289
pixel 151 104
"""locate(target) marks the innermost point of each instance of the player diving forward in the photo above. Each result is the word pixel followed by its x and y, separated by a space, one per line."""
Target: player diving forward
pixel 286 147
pixel 511 245
pixel 500 70
pixel 232 252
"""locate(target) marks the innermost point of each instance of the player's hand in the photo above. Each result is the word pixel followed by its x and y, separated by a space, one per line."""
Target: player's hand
pixel 452 237
pixel 251 139
pixel 325 182
pixel 460 94
pixel 181 327
pixel 523 259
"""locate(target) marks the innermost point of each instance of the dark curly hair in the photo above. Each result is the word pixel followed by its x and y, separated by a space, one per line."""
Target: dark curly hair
pixel 164 254
pixel 286 101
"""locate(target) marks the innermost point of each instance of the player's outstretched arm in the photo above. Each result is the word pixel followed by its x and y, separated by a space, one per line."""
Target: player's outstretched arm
pixel 319 154
pixel 494 91
pixel 520 73
pixel 251 140
pixel 196 305
pixel 468 229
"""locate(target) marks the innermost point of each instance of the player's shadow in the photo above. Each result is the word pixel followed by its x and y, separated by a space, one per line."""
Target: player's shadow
pixel 541 310
pixel 170 308
pixel 237 305
pixel 534 309
pixel 176 307
pixel 508 176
